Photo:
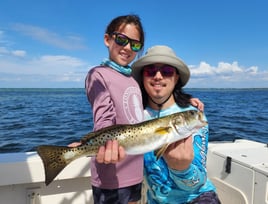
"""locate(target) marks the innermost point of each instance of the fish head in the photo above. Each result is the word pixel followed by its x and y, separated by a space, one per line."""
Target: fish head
pixel 187 122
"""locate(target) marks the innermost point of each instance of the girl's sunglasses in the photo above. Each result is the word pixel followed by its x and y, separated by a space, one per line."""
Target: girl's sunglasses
pixel 165 70
pixel 123 40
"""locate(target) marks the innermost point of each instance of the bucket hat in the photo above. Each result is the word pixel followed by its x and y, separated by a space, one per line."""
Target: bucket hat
pixel 161 54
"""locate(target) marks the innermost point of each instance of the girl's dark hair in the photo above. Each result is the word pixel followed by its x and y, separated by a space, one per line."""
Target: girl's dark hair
pixel 181 98
pixel 126 19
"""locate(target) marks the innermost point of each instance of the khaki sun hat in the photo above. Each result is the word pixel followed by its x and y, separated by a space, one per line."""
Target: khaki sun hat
pixel 161 54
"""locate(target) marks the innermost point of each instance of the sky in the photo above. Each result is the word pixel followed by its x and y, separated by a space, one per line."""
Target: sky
pixel 54 43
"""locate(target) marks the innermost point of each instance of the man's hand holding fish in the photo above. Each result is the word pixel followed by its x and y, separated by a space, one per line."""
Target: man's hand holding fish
pixel 179 155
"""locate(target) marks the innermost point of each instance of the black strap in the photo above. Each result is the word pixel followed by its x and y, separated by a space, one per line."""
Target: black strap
pixel 160 104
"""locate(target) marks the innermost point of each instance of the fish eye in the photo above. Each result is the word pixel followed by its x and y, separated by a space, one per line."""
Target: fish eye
pixel 192 112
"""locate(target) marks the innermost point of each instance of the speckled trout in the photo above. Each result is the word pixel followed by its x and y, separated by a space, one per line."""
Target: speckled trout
pixel 152 135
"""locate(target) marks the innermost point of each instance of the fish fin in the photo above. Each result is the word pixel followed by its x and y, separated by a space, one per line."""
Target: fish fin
pixel 158 153
pixel 91 135
pixel 162 130
pixel 53 160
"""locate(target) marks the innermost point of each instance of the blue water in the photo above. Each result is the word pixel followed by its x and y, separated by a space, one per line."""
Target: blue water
pixel 31 117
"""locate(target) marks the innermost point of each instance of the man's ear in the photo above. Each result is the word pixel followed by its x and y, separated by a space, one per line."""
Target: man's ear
pixel 177 78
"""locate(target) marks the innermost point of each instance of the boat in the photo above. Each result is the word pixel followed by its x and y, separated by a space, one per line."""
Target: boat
pixel 239 170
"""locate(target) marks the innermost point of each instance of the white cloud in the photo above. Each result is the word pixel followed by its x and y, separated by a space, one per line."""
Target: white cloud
pixel 2 35
pixel 61 60
pixel 222 69
pixel 202 70
pixel 227 68
pixel 12 53
pixel 253 70
pixel 227 75
pixel 3 51
pixel 69 42
pixel 19 70
pixel 19 53
pixel 44 71
pixel 68 71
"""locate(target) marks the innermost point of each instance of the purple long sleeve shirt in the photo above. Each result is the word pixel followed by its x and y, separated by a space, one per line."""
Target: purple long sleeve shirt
pixel 115 99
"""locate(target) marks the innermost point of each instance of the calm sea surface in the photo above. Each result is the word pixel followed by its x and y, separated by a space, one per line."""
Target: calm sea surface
pixel 31 117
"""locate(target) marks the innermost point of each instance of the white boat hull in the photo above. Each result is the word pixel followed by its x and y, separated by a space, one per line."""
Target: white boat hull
pixel 22 181
pixel 247 181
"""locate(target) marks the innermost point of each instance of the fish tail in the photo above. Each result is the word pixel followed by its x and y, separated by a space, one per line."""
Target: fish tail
pixel 53 160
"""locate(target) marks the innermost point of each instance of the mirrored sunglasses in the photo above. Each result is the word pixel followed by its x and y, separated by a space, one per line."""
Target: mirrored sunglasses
pixel 165 70
pixel 123 40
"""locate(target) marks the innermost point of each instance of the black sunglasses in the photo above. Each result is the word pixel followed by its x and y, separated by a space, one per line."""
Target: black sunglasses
pixel 123 40
pixel 165 70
